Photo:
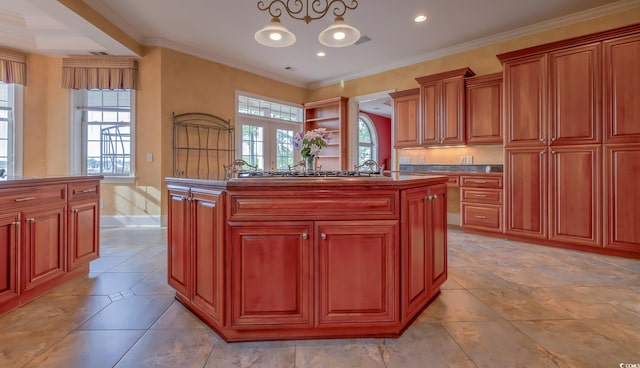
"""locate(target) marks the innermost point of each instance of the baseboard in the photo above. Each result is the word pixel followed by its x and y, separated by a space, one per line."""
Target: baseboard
pixel 129 221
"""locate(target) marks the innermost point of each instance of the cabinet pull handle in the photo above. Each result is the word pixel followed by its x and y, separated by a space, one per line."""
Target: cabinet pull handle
pixel 16 223
pixel 323 236
pixel 480 181
pixel 305 236
pixel 183 198
pixel 481 195
pixel 480 216
pixel 88 191
pixel 25 199
pixel 31 219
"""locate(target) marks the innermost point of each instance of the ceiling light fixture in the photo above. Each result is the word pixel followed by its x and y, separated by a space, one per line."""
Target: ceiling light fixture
pixel 338 34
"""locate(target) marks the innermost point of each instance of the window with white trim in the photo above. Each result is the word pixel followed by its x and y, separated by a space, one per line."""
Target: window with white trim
pixel 264 132
pixel 104 127
pixel 367 140
pixel 10 129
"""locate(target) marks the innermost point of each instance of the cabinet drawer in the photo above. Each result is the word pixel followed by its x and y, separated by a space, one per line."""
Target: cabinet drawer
pixel 373 205
pixel 488 218
pixel 453 181
pixel 481 181
pixel 84 189
pixel 490 196
pixel 28 196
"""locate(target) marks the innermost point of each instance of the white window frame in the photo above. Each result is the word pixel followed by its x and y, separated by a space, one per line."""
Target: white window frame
pixel 374 137
pixel 76 100
pixel 15 138
pixel 270 126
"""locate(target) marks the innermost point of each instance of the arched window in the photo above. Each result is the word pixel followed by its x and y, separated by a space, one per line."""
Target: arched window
pixel 367 140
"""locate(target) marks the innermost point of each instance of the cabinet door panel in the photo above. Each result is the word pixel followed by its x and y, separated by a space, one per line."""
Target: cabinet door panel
pixel 270 277
pixel 84 239
pixel 525 98
pixel 622 89
pixel 208 241
pixel 415 255
pixel 429 114
pixel 9 238
pixel 452 118
pixel 484 110
pixel 179 240
pixel 356 267
pixel 575 195
pixel 44 245
pixel 406 119
pixel 526 192
pixel 437 219
pixel 575 95
pixel 623 199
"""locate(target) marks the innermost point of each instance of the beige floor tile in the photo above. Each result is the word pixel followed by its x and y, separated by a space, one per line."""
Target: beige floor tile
pixel 170 349
pixel 280 354
pixel 623 331
pixel 132 312
pixel 424 345
pixel 95 349
pixel 494 344
pixel 103 284
pixel 457 306
pixel 573 343
pixel 19 347
pixel 154 283
pixel 338 353
pixel 178 317
pixel 517 305
pixel 583 302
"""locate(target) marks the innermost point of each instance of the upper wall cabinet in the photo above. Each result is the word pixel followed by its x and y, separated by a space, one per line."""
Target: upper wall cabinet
pixel 621 89
pixel 406 117
pixel 442 99
pixel 484 109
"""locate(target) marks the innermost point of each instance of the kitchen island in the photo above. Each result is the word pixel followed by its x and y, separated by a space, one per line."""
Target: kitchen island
pixel 307 257
pixel 49 232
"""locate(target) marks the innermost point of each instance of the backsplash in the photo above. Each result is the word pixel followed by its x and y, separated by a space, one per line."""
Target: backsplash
pixel 490 154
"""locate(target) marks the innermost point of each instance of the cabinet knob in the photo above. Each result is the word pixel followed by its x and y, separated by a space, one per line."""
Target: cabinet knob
pixel 323 236
pixel 542 140
pixel 31 219
pixel 553 139
pixel 16 223
pixel 435 196
pixel 542 152
pixel 76 210
pixel 553 152
pixel 183 198
pixel 429 197
pixel 305 236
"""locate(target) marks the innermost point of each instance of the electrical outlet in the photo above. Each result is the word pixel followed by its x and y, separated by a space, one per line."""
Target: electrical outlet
pixel 462 159
pixel 469 159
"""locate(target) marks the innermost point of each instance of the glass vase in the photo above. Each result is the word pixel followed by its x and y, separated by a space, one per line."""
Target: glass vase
pixel 310 165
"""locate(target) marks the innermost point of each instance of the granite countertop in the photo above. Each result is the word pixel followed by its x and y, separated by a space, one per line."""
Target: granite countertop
pixel 452 168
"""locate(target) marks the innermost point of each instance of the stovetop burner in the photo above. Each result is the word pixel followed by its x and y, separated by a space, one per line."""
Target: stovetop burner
pixel 319 173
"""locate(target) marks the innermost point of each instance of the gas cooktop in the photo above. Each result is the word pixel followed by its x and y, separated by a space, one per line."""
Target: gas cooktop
pixel 317 173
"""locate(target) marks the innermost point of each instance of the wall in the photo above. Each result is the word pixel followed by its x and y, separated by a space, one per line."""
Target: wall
pixel 383 130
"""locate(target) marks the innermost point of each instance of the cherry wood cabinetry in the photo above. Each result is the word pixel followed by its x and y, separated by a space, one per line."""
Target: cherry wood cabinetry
pixel 622 175
pixel 48 234
pixel 570 101
pixel 195 247
pixel 484 109
pixel 84 223
pixel 481 203
pixel 9 239
pixel 442 105
pixel 406 117
pixel 621 89
pixel 331 263
pixel 332 115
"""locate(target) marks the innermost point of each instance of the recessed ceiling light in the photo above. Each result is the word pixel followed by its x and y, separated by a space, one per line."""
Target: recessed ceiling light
pixel 420 18
pixel 321 54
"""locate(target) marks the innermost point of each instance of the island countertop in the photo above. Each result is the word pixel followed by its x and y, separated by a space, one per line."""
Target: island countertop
pixel 23 181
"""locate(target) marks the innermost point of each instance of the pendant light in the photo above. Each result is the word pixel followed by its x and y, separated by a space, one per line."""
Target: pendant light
pixel 275 34
pixel 339 34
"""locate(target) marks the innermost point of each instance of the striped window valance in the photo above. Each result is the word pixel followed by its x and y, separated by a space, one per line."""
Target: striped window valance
pixel 13 67
pixel 109 72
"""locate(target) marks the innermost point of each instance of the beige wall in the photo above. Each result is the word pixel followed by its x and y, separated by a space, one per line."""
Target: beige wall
pixel 171 81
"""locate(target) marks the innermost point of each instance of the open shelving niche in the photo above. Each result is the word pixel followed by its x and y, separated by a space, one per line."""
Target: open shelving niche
pixel 203 146
pixel 330 114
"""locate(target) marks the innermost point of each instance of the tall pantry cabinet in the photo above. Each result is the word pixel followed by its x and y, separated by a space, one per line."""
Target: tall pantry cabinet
pixel 560 100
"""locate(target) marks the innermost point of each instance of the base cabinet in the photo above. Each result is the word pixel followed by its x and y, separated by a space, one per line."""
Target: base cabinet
pixel 424 247
pixel 195 247
pixel 357 267
pixel 84 233
pixel 9 238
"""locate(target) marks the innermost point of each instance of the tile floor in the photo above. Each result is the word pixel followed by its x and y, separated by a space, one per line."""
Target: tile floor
pixel 506 304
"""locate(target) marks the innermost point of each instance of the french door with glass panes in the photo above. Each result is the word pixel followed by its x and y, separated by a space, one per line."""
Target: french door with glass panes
pixel 267 145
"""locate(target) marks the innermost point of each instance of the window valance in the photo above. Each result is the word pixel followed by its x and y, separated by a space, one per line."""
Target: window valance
pixel 13 67
pixel 109 72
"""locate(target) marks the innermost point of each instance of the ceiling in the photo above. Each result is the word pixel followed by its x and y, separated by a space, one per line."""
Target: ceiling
pixel 223 31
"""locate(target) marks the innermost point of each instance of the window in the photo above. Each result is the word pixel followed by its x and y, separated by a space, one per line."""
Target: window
pixel 267 129
pixel 367 140
pixel 106 128
pixel 10 129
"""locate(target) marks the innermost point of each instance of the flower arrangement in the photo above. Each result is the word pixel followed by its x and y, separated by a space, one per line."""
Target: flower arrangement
pixel 310 143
